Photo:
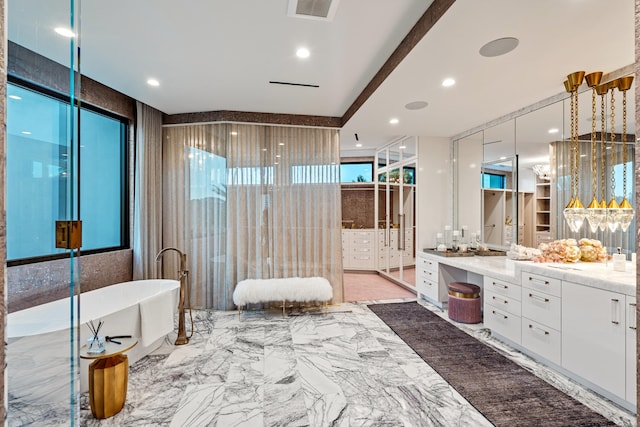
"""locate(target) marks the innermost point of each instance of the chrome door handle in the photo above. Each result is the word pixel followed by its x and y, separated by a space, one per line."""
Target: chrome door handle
pixel 614 311
pixel 632 314
pixel 504 301
pixel 539 298
pixel 538 329
pixel 500 285
pixel 533 279
pixel 500 314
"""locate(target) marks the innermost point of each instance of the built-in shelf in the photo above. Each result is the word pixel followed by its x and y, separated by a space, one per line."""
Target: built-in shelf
pixel 543 210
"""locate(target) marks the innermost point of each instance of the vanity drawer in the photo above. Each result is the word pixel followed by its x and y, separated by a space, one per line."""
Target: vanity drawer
pixel 542 308
pixel 542 340
pixel 428 274
pixel 427 288
pixel 502 302
pixel 427 264
pixel 503 323
pixel 501 287
pixel 541 283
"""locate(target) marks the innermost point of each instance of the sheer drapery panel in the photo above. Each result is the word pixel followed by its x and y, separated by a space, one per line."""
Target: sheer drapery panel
pixel 147 218
pixel 258 202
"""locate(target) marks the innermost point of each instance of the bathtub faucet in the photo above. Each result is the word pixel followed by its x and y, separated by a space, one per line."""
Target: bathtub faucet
pixel 183 276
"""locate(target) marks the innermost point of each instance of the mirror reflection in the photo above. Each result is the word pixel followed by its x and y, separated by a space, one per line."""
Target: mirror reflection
pixel 544 178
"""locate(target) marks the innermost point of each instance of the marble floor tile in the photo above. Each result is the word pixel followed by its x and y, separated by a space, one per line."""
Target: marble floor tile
pixel 339 367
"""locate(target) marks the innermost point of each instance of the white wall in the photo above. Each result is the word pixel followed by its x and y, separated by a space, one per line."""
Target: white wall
pixel 526 180
pixel 434 204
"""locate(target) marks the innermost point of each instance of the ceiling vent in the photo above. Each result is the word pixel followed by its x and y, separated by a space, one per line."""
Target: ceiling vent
pixel 323 10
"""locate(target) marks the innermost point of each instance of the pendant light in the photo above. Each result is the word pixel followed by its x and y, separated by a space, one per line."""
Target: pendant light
pixel 595 214
pixel 626 210
pixel 574 212
pixel 613 208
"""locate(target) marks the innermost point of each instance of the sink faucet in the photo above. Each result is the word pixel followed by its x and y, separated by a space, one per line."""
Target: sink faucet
pixel 183 276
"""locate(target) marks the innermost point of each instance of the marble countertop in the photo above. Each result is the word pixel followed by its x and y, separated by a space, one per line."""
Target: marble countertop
pixel 597 275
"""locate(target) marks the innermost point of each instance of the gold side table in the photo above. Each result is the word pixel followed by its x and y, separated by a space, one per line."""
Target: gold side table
pixel 108 377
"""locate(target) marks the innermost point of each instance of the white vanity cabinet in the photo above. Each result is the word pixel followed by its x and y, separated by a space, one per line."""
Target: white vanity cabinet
pixel 541 316
pixel 593 336
pixel 358 250
pixel 427 279
pixel 502 308
pixel 630 329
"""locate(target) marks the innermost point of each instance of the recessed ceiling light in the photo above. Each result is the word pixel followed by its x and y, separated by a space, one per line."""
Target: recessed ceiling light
pixel 554 130
pixel 264 149
pixel 416 105
pixel 275 163
pixel 303 52
pixel 402 147
pixel 499 47
pixel 394 121
pixel 278 155
pixel 65 32
pixel 503 158
pixel 448 82
pixel 153 82
pixel 282 143
pixel 16 97
pixel 358 145
pixel 26 132
pixel 234 133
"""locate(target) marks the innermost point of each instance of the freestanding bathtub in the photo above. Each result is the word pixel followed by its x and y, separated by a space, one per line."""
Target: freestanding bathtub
pixel 39 337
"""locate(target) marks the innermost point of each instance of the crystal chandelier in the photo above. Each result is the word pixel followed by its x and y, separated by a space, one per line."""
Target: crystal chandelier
pixel 599 215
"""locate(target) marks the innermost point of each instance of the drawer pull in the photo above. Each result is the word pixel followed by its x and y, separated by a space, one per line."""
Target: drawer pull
pixel 539 298
pixel 426 283
pixel 504 301
pixel 538 329
pixel 500 314
pixel 533 279
pixel 632 316
pixel 614 311
pixel 500 285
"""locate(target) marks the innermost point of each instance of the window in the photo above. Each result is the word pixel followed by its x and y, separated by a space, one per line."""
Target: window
pixel 492 180
pixel 38 161
pixel 356 172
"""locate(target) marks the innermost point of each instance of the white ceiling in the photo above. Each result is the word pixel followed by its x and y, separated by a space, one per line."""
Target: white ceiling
pixel 220 55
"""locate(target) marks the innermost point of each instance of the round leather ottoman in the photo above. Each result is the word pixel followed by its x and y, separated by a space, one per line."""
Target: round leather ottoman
pixel 464 302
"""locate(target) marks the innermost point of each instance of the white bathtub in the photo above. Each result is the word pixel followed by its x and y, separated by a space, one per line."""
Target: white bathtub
pixel 39 349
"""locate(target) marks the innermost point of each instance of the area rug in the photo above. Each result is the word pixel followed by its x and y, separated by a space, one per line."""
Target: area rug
pixel 504 392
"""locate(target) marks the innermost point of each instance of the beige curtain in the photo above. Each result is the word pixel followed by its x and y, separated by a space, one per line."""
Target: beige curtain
pixel 147 217
pixel 252 201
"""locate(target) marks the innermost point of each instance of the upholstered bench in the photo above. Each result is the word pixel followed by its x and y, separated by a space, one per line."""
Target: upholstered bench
pixel 294 289
pixel 464 303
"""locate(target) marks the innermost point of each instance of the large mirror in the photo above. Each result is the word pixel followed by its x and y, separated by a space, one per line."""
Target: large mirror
pixel 531 152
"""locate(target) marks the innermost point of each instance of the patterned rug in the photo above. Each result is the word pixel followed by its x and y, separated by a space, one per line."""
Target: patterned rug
pixel 504 392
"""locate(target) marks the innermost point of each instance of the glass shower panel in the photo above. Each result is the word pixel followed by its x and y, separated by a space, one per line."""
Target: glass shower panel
pixel 43 149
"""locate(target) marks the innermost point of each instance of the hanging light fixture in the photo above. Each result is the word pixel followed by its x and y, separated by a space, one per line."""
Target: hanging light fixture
pixel 595 214
pixel 602 90
pixel 574 212
pixel 626 210
pixel 613 207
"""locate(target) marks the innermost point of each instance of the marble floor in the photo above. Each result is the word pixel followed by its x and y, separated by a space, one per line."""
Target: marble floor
pixel 344 367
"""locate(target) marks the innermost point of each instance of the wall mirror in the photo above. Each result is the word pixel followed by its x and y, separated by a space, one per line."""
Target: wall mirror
pixel 539 139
